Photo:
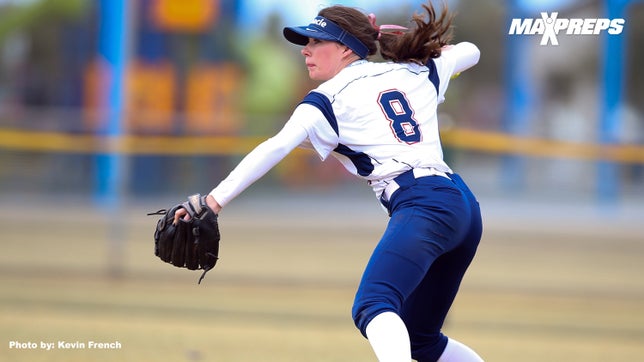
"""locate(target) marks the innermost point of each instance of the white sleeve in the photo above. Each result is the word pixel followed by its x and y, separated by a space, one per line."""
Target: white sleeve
pixel 321 136
pixel 258 162
pixel 465 55
pixel 453 60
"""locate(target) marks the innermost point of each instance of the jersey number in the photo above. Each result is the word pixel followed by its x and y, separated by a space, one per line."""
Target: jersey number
pixel 397 110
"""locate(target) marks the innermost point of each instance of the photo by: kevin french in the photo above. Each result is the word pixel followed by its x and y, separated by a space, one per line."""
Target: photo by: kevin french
pixel 61 344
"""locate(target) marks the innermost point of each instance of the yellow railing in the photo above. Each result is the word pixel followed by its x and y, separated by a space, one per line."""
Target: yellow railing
pixel 501 143
pixel 465 139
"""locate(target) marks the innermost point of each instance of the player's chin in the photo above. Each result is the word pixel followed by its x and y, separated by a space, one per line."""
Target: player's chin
pixel 314 74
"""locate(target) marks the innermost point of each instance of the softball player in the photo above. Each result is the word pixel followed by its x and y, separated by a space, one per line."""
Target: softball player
pixel 380 121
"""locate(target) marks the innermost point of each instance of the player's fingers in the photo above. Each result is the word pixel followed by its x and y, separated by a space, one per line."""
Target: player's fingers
pixel 180 214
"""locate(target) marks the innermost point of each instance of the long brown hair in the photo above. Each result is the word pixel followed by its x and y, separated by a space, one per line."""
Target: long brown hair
pixel 355 22
pixel 424 40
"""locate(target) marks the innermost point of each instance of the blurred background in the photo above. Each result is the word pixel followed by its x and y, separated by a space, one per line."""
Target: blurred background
pixel 112 108
pixel 97 100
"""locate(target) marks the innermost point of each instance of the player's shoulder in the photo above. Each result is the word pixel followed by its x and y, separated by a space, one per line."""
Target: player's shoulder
pixel 375 69
pixel 365 71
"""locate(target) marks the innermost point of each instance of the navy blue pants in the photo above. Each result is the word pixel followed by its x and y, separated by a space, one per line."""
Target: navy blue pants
pixel 417 267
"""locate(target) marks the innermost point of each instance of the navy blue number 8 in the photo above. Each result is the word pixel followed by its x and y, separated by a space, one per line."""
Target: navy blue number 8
pixel 396 108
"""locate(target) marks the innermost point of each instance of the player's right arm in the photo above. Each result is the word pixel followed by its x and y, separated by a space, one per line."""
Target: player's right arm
pixel 453 60
pixel 464 55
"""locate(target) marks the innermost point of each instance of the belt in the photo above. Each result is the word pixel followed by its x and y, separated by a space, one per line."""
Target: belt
pixel 393 186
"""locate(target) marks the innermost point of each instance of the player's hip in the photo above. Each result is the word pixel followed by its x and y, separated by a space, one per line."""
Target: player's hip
pixel 436 211
pixel 426 187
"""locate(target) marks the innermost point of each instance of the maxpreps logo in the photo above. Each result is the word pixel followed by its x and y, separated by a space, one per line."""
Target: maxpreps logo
pixel 549 27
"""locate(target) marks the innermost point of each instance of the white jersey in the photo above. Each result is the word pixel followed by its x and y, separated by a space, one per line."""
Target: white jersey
pixel 378 119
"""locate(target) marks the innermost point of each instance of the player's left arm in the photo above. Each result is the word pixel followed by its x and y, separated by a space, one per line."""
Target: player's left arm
pixel 257 163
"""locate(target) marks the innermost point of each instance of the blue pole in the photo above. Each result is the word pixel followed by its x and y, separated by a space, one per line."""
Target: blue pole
pixel 611 100
pixel 519 100
pixel 112 49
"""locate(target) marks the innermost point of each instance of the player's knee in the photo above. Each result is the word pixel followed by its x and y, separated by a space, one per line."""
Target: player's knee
pixel 364 312
pixel 427 347
pixel 359 319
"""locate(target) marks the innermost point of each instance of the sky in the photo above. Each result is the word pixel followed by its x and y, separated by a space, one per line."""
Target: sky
pixel 299 12
pixel 302 11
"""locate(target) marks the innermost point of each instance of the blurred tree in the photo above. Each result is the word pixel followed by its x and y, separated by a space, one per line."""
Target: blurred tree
pixel 272 79
pixel 41 24
pixel 29 17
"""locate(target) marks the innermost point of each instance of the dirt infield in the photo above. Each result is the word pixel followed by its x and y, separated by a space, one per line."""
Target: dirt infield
pixel 549 288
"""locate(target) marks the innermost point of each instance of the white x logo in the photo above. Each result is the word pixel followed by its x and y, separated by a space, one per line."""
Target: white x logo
pixel 549 33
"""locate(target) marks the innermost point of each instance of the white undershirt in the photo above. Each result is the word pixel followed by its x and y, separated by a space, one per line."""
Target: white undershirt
pixel 258 162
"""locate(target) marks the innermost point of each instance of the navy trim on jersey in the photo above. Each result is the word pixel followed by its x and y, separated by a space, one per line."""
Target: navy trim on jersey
pixel 322 103
pixel 433 74
pixel 359 159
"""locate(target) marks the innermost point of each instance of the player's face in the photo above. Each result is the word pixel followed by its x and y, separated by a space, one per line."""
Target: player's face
pixel 324 59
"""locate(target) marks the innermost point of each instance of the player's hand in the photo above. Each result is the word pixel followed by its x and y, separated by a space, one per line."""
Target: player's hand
pixel 180 214
pixel 183 213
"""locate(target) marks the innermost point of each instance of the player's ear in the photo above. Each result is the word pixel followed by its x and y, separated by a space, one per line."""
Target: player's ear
pixel 346 52
pixel 345 49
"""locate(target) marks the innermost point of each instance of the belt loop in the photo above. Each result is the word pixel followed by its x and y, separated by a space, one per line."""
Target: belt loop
pixel 406 179
pixel 385 203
